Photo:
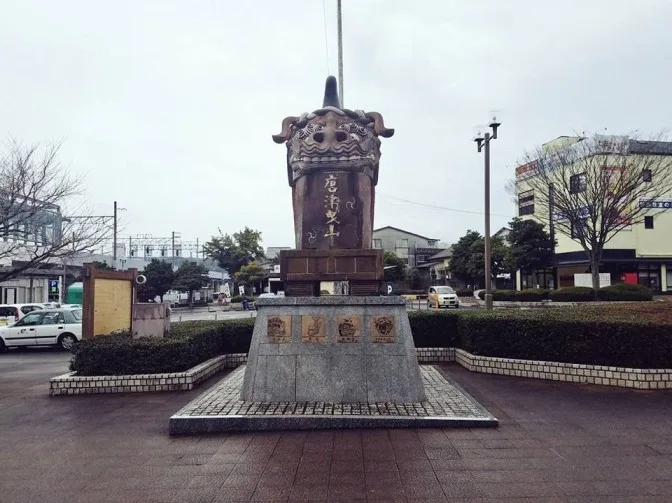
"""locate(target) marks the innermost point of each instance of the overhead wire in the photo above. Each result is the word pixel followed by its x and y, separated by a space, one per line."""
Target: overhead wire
pixel 435 206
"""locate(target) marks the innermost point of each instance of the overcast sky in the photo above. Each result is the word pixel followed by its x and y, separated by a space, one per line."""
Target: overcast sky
pixel 169 106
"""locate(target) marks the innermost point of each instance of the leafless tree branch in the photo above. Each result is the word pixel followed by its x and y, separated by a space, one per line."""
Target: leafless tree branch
pixel 34 191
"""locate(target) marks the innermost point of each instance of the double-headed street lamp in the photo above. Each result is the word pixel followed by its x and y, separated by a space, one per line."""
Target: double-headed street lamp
pixel 484 141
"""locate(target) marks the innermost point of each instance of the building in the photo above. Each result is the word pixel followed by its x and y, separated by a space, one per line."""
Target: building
pixel 439 266
pixel 272 264
pixel 640 253
pixel 26 227
pixel 412 248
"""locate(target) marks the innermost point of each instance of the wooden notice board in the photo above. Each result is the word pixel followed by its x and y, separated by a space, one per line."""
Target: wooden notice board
pixel 108 301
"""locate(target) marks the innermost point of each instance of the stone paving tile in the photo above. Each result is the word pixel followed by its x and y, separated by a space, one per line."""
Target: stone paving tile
pixel 555 442
pixel 443 400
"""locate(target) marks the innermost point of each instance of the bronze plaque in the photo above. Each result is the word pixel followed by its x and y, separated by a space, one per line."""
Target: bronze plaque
pixel 279 329
pixel 349 329
pixel 383 329
pixel 313 329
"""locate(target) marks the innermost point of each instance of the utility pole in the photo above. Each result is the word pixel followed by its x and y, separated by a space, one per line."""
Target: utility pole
pixel 484 141
pixel 114 239
pixel 551 228
pixel 488 261
pixel 340 53
pixel 197 249
pixel 173 252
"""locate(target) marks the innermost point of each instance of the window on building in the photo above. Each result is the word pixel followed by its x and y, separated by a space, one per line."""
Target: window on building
pixel 648 222
pixel 646 175
pixel 421 258
pixel 526 203
pixel 578 228
pixel 649 276
pixel 577 183
pixel 378 244
pixel 402 243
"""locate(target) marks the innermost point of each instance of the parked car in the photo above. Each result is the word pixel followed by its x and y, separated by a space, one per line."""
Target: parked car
pixel 61 327
pixel 11 313
pixel 442 296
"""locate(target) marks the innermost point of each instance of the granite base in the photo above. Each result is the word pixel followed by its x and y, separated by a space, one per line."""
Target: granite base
pixel 332 349
pixel 220 409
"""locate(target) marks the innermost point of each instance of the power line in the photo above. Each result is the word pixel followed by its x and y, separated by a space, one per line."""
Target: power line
pixel 326 38
pixel 428 205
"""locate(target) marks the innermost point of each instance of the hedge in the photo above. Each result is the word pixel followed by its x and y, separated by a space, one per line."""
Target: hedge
pixel 619 292
pixel 237 299
pixel 189 344
pixel 573 335
pixel 635 335
pixel 529 295
pixel 625 292
pixel 432 329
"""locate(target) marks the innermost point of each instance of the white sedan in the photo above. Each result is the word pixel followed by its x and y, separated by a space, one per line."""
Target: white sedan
pixel 61 327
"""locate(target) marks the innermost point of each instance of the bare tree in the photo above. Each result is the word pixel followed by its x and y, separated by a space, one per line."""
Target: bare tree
pixel 596 187
pixel 35 226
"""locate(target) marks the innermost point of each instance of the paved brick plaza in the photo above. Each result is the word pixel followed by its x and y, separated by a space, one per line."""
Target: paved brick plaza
pixel 220 409
pixel 556 442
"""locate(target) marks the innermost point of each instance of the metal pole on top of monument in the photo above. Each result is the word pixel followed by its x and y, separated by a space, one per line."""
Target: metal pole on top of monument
pixel 340 51
pixel 484 141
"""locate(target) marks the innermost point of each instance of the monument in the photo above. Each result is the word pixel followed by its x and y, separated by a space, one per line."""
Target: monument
pixel 332 167
pixel 344 360
pixel 355 347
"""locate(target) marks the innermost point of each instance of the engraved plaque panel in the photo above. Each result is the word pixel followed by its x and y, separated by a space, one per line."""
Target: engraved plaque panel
pixel 279 329
pixel 349 329
pixel 383 329
pixel 313 329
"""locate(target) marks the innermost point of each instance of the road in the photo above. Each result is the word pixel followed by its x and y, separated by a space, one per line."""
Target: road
pixel 202 313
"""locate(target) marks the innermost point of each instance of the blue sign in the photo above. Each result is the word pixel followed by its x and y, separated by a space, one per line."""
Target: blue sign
pixel 656 203
pixel 53 286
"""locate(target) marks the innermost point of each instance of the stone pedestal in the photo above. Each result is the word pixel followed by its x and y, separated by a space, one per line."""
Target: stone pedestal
pixel 151 320
pixel 332 349
pixel 303 270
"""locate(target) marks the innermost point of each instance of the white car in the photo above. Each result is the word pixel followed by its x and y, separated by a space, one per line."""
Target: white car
pixel 11 313
pixel 61 327
pixel 442 296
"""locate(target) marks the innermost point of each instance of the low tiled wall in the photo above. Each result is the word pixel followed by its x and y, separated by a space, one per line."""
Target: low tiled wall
pixel 435 355
pixel 71 384
pixel 569 372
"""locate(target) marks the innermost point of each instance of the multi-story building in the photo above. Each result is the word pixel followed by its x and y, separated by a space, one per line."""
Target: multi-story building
pixel 412 248
pixel 25 226
pixel 640 253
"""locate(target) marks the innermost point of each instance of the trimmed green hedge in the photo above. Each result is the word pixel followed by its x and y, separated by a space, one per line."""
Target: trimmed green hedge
pixel 571 335
pixel 532 295
pixel 572 294
pixel 637 335
pixel 190 343
pixel 616 293
pixel 625 292
pixel 464 293
pixel 237 299
pixel 432 329
pixel 529 295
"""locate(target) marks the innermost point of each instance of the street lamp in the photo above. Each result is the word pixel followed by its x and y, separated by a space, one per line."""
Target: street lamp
pixel 114 232
pixel 484 141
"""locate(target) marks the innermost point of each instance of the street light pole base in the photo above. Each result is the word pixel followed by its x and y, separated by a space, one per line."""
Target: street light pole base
pixel 488 302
